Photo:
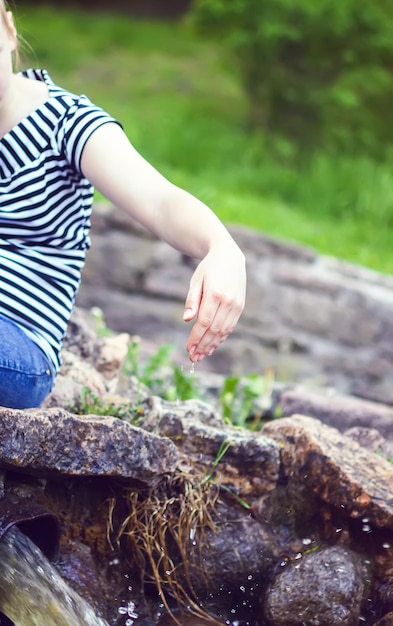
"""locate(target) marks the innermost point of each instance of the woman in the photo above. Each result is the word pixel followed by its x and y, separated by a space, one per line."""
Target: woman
pixel 55 147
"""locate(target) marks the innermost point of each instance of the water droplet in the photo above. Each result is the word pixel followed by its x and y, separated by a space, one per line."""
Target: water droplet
pixel 386 546
pixel 306 541
pixel 192 533
pixel 131 609
pixel 242 588
pixel 192 367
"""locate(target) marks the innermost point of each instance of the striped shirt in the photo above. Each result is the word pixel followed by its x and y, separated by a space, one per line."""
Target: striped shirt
pixel 45 205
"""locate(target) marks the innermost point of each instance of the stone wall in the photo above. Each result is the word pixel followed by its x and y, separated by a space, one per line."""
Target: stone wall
pixel 311 319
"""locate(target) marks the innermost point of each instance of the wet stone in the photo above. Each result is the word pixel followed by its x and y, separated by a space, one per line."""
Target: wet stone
pixel 238 550
pixel 187 619
pixel 387 620
pixel 336 468
pixel 323 588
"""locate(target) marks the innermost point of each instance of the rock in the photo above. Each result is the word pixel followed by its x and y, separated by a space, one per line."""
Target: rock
pixel 77 566
pixel 251 463
pixel 229 560
pixel 75 376
pixel 335 468
pixel 338 410
pixel 387 620
pixel 55 442
pixel 323 588
pixel 157 411
pixel 89 362
pixel 187 619
pixel 111 358
pixel 82 336
pixel 372 440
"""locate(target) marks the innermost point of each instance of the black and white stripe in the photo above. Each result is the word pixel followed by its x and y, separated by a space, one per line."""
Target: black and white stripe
pixel 45 205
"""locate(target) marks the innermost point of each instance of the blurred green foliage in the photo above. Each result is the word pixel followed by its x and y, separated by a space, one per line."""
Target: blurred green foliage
pixel 317 73
pixel 180 98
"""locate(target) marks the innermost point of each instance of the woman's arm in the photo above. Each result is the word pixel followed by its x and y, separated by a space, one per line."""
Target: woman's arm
pixel 217 289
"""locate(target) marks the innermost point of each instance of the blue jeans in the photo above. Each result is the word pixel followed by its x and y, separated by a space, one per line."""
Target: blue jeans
pixel 26 376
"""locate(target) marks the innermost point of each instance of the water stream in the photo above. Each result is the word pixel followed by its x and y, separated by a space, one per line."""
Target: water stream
pixel 32 592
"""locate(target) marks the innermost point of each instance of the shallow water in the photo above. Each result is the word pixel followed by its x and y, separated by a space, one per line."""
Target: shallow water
pixel 32 592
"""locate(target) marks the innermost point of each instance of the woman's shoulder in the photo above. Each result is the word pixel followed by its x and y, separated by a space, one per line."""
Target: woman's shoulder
pixel 40 81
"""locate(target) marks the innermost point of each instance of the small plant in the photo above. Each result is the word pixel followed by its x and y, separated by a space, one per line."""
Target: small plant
pixel 160 374
pixel 223 449
pixel 116 407
pixel 243 399
pixel 379 453
pixel 101 327
pixel 210 477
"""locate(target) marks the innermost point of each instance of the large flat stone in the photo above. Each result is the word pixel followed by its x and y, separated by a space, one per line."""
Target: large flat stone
pixel 54 441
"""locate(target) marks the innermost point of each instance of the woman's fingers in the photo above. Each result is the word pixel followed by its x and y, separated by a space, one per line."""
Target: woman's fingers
pixel 216 298
pixel 211 330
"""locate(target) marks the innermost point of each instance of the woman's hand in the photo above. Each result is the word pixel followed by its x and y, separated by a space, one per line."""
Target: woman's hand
pixel 217 289
pixel 216 299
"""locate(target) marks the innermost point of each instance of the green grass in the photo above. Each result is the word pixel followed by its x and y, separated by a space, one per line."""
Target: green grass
pixel 181 104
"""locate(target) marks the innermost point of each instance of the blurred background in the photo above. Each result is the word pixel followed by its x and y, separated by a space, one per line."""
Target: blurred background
pixel 276 113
